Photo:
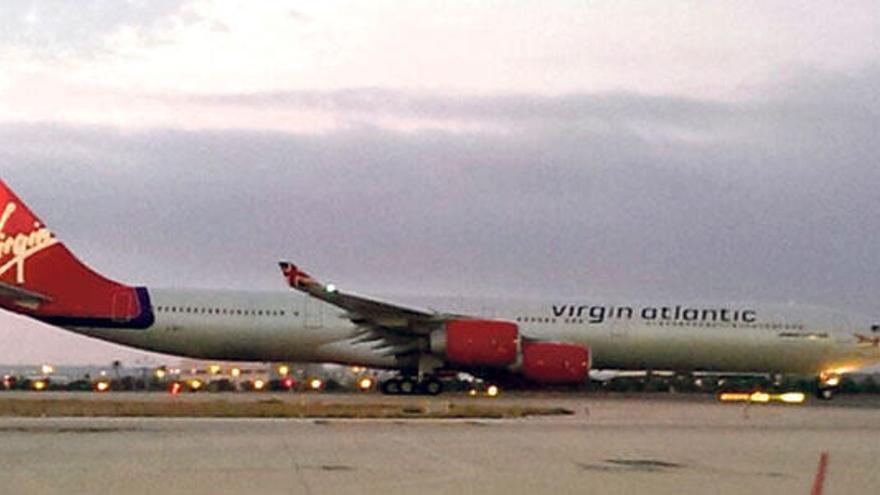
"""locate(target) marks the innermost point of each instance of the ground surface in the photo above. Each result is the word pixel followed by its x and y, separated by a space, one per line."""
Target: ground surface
pixel 649 444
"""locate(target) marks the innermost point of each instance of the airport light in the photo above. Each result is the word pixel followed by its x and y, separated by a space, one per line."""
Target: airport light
pixel 175 388
pixel 235 372
pixel 214 369
pixel 472 392
pixel 316 383
pixel 493 391
pixel 102 386
pixel 330 288
pixel 288 383
pixel 47 369
pixel 195 384
pixel 759 397
pixel 259 384
pixel 365 383
pixel 734 397
pixel 160 373
pixel 40 385
pixel 793 397
pixel 283 370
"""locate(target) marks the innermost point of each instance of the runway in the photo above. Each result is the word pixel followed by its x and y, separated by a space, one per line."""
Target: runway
pixel 611 445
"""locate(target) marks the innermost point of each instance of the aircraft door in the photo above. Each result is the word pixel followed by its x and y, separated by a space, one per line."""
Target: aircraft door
pixel 618 328
pixel 841 327
pixel 313 311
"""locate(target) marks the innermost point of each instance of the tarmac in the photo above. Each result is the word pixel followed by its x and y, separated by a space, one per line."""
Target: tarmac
pixel 658 444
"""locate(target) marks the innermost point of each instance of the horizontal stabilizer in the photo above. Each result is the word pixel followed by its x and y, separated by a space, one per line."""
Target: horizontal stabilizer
pixel 21 296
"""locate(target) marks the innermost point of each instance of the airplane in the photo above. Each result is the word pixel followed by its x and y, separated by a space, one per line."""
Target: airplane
pixel 550 343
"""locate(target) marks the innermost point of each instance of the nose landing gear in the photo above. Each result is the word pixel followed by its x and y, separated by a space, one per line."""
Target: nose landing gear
pixel 827 385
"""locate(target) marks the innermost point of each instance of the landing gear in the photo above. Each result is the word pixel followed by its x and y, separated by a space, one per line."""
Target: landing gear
pixel 408 385
pixel 390 387
pixel 825 393
pixel 827 385
pixel 432 386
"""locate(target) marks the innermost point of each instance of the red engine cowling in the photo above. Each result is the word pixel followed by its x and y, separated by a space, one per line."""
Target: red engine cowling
pixel 555 363
pixel 481 342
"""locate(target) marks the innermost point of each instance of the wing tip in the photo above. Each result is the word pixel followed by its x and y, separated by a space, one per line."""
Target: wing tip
pixel 296 278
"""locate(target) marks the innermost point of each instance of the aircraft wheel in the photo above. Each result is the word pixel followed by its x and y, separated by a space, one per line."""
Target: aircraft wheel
pixel 825 393
pixel 432 386
pixel 390 387
pixel 407 386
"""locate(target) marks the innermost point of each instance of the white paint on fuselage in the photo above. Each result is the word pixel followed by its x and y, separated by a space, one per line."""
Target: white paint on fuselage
pixel 289 326
pixel 246 326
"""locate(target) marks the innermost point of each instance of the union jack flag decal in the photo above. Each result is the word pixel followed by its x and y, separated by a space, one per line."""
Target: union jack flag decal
pixel 297 278
pixel 867 341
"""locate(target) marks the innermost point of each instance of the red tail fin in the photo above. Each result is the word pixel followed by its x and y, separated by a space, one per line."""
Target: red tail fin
pixel 64 291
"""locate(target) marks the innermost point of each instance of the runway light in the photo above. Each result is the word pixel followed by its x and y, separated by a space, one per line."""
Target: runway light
pixel 762 397
pixel 214 369
pixel 472 392
pixel 733 397
pixel 833 381
pixel 195 385
pixel 792 397
pixel 47 369
pixel 175 388
pixel 287 383
pixel 330 288
pixel 259 384
pixel 235 372
pixel 493 391
pixel 283 370
pixel 160 373
pixel 102 386
pixel 365 383
pixel 40 385
pixel 316 384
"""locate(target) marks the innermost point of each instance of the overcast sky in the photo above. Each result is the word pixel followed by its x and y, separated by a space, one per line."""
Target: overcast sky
pixel 711 150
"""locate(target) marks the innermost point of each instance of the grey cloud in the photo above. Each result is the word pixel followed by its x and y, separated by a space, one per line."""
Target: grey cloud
pixel 511 108
pixel 824 105
pixel 59 28
pixel 780 204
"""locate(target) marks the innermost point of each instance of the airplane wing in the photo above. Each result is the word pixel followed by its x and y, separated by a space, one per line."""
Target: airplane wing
pixel 363 310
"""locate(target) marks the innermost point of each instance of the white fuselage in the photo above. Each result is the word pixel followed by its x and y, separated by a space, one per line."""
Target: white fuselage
pixel 292 327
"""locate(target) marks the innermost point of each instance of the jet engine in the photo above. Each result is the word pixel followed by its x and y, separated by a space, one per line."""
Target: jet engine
pixel 496 344
pixel 554 362
pixel 477 342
